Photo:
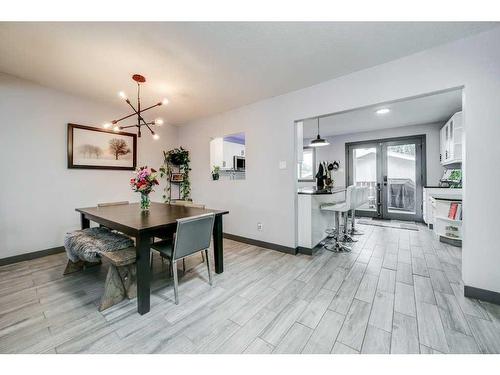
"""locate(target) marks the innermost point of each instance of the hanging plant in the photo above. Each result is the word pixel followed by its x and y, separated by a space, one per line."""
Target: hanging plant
pixel 179 158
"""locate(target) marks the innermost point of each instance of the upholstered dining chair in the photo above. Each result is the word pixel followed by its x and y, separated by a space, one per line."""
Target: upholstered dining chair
pixel 184 203
pixel 193 235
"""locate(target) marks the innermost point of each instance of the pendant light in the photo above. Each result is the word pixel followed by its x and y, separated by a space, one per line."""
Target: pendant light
pixel 318 142
pixel 137 110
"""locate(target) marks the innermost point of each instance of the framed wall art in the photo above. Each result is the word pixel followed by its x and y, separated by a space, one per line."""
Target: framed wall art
pixel 94 148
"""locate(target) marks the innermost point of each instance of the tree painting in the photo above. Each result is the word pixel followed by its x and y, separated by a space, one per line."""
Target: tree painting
pixel 118 147
pixel 90 151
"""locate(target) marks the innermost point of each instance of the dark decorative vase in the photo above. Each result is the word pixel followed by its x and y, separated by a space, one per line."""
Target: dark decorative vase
pixel 215 176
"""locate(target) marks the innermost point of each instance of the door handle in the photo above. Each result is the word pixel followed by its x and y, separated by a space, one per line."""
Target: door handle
pixel 385 180
pixel 379 197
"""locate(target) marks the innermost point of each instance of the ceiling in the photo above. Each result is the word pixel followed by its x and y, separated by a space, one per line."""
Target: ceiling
pixel 206 68
pixel 422 110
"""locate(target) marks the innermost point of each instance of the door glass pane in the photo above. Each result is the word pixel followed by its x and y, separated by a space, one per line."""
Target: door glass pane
pixel 401 178
pixel 365 174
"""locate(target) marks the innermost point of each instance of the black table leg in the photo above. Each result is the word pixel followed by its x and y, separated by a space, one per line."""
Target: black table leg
pixel 84 221
pixel 143 250
pixel 218 249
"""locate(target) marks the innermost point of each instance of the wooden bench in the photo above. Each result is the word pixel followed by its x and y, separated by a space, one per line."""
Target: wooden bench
pixel 121 280
pixel 81 265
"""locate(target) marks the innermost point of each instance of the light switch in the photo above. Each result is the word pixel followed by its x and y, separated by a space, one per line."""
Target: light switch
pixel 282 164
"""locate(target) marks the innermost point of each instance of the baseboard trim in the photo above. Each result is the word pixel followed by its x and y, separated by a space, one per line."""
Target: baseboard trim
pixel 482 294
pixel 308 251
pixel 267 245
pixel 30 256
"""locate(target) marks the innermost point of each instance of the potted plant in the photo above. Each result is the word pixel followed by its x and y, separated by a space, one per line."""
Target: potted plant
pixel 177 158
pixel 215 172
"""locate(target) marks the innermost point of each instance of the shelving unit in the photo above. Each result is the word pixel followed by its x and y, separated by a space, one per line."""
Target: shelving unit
pixel 449 229
pixel 175 169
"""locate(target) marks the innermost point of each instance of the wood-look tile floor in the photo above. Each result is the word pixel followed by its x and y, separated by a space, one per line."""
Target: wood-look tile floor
pixel 398 291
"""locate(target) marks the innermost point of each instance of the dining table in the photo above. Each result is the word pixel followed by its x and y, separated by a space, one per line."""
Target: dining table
pixel 159 221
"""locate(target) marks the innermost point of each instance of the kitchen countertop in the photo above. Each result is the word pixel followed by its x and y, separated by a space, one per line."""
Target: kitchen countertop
pixel 314 191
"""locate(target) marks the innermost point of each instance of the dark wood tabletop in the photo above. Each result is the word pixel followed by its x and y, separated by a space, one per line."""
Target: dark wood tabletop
pixel 129 218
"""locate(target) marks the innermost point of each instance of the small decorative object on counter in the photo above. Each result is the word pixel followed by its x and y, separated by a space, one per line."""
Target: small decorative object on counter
pixel 324 177
pixel 320 177
pixel 144 182
pixel 215 172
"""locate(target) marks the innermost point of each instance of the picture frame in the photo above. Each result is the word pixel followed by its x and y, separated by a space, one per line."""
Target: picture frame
pixel 94 148
pixel 177 177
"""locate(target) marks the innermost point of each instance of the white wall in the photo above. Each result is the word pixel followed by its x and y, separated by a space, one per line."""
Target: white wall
pixel 268 193
pixel 39 193
pixel 336 149
pixel 216 152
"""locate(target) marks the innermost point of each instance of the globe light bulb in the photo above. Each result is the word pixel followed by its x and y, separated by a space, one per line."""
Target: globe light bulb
pixel 116 128
pixel 156 136
pixel 106 125
pixel 122 95
pixel 164 101
pixel 159 121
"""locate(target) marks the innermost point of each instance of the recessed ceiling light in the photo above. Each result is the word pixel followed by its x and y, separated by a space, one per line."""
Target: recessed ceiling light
pixel 382 111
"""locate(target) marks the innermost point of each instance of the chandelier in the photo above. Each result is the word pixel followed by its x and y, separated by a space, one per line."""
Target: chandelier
pixel 137 111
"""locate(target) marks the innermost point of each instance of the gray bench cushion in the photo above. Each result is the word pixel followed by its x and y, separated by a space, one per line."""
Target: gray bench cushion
pixel 87 244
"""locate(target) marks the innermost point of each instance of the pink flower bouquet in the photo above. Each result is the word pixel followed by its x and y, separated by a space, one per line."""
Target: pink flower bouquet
pixel 144 181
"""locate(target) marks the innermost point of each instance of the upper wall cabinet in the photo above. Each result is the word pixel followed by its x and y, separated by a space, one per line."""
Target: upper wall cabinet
pixel 451 140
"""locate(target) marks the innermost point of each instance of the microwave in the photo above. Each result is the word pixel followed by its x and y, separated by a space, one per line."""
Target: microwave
pixel 238 163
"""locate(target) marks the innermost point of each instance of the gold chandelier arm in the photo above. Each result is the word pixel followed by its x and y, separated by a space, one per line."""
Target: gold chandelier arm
pixel 141 118
pixel 123 118
pixel 138 113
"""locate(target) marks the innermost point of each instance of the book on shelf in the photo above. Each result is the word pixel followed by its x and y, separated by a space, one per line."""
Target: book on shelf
pixel 455 211
pixel 458 215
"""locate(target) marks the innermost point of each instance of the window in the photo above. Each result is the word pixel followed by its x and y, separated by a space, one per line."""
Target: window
pixel 306 168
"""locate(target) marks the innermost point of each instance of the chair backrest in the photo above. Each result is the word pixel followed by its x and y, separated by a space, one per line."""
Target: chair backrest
pixel 193 234
pixel 187 204
pixel 106 204
pixel 179 203
pixel 195 205
pixel 363 193
pixel 350 195
pixel 356 196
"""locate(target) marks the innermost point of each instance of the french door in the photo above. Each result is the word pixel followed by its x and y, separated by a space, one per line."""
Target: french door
pixel 393 170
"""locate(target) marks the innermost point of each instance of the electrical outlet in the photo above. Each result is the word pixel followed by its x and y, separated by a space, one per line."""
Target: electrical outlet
pixel 259 226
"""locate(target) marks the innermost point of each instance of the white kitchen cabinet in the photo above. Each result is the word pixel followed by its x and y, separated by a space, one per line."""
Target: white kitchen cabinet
pixel 451 140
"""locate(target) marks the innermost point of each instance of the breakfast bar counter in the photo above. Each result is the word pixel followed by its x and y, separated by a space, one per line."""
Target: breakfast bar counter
pixel 312 222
